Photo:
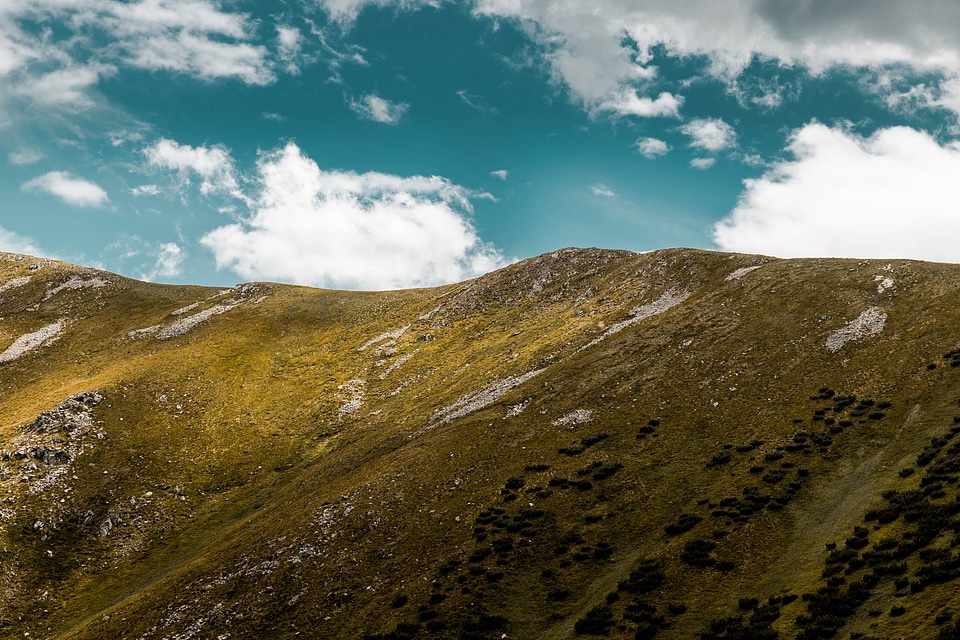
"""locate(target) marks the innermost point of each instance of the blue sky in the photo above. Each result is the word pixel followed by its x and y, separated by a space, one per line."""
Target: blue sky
pixel 377 144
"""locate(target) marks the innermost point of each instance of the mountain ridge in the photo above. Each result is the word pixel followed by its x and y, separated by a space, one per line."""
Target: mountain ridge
pixel 586 442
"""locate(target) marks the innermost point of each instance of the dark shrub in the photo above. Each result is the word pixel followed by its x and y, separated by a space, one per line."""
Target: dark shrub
pixel 606 470
pixel 697 553
pixel 721 457
pixel 596 621
pixel 774 476
pixel 686 522
pixel 514 482
pixel 644 579
pixel 594 438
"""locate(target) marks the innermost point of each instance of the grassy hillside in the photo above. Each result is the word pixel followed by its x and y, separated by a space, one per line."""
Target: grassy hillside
pixel 590 443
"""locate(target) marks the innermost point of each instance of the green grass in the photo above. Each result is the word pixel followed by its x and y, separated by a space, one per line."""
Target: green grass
pixel 297 520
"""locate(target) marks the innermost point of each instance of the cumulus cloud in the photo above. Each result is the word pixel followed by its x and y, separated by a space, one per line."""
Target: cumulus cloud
pixel 710 134
pixel 373 107
pixel 69 188
pixel 170 257
pixel 500 173
pixel 600 189
pixel 891 195
pixel 214 165
pixel 629 103
pixel 702 163
pixel 347 230
pixel 651 148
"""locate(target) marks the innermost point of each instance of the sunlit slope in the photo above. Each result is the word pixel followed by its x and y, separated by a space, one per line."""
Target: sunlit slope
pixel 671 445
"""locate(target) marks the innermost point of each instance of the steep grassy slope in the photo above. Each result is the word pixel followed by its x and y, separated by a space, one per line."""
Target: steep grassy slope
pixel 677 444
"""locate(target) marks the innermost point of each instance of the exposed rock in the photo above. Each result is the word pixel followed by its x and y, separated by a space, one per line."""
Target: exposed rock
pixel 868 323
pixel 739 273
pixel 42 337
pixel 14 283
pixel 76 282
pixel 578 416
pixel 483 398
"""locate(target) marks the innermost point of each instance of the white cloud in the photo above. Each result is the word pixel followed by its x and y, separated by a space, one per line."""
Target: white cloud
pixel 65 87
pixel 710 134
pixel 629 103
pixel 346 11
pixel 651 148
pixel 950 95
pixel 53 52
pixel 600 189
pixel 213 164
pixel 170 257
pixel 500 173
pixel 289 48
pixel 120 137
pixel 476 102
pixel 348 230
pixel 200 56
pixel 145 190
pixel 72 190
pixel 25 156
pixel 373 107
pixel 891 195
pixel 702 163
pixel 584 43
pixel 15 243
pixel 195 37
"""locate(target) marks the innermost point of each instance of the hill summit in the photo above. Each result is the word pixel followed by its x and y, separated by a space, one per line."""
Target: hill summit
pixel 678 444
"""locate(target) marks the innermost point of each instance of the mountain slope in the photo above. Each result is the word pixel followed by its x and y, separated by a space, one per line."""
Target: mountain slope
pixel 671 444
